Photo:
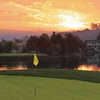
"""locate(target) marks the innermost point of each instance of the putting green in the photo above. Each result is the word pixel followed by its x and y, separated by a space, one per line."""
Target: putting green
pixel 41 88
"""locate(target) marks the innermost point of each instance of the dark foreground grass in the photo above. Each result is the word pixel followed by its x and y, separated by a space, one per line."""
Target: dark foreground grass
pixel 49 84
pixel 58 73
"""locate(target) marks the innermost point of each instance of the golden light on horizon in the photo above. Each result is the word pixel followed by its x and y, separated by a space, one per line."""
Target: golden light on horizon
pixel 72 22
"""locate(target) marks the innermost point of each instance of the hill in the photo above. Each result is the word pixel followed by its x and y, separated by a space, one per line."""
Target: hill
pixel 11 34
pixel 87 34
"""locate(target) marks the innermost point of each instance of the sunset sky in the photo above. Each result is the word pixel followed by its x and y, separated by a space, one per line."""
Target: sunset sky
pixel 48 15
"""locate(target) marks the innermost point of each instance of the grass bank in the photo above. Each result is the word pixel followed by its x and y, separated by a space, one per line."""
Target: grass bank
pixel 52 84
pixel 19 54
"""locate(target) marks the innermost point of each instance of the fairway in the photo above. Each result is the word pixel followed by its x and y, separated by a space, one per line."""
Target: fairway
pixel 32 87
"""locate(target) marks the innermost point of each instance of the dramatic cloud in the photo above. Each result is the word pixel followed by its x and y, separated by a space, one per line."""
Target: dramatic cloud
pixel 48 14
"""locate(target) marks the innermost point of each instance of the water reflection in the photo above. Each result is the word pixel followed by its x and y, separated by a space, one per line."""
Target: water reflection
pixel 20 67
pixel 15 62
pixel 44 62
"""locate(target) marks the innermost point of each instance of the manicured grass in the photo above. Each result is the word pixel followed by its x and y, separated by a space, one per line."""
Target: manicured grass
pixel 49 84
pixel 19 54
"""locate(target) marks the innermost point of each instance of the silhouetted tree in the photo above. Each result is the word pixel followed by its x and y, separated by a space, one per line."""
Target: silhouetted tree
pixel 44 43
pixel 32 43
pixel 68 47
pixel 7 46
pixel 56 41
pixel 1 48
pixel 71 50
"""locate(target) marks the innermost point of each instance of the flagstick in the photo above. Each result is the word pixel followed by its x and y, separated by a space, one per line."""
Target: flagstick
pixel 35 91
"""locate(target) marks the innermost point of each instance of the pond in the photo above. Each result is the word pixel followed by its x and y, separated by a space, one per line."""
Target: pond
pixel 44 61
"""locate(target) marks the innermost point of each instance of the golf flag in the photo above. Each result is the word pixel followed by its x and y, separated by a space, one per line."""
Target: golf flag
pixel 35 60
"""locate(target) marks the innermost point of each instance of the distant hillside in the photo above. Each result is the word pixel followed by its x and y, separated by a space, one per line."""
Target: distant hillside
pixel 86 34
pixel 11 34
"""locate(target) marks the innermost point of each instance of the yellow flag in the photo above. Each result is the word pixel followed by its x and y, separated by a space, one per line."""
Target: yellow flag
pixel 35 60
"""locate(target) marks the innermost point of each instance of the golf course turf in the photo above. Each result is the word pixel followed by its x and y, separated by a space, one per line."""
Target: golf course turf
pixel 49 84
pixel 18 54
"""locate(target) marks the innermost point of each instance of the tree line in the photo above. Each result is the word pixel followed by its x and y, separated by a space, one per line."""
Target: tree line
pixel 70 48
pixel 55 44
pixel 66 46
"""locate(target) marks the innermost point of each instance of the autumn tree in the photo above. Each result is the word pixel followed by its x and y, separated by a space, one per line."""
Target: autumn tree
pixel 32 43
pixel 44 43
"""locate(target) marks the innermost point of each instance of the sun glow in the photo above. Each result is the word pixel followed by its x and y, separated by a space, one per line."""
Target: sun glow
pixel 71 21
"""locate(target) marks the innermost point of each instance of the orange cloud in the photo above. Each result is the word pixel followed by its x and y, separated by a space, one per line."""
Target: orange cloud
pixel 48 14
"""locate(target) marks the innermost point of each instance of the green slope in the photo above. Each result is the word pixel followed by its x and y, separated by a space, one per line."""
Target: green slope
pixel 49 85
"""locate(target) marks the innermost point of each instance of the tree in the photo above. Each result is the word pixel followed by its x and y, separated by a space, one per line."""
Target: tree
pixel 32 43
pixel 56 41
pixel 7 46
pixel 71 49
pixel 73 43
pixel 44 43
pixel 1 48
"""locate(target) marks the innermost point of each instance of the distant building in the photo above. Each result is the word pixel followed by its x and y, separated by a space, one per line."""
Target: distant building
pixel 20 43
pixel 93 51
